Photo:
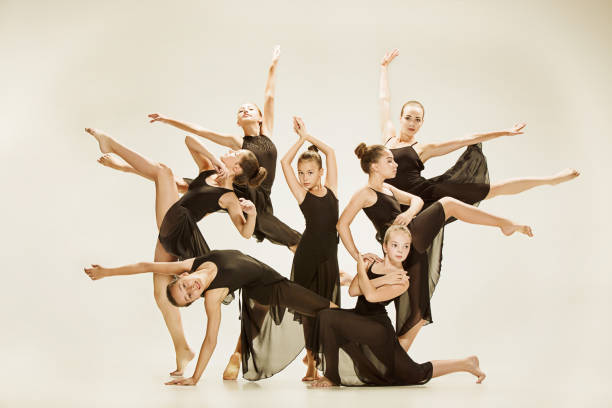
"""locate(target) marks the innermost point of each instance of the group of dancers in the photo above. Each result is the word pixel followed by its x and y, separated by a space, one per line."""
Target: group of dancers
pixel 280 316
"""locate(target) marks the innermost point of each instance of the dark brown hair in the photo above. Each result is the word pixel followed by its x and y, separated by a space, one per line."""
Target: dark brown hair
pixel 252 175
pixel 369 155
pixel 413 103
pixel 311 154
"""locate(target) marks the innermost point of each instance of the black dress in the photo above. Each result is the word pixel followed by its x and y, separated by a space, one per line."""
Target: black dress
pixel 179 233
pixel 271 338
pixel 267 225
pixel 366 336
pixel 315 264
pixel 467 180
pixel 423 262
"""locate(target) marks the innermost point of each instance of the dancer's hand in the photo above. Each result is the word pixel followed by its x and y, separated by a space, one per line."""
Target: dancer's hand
pixel 156 117
pixel 275 54
pixel 404 218
pixel 247 206
pixel 299 127
pixel 183 381
pixel 220 168
pixel 516 129
pixel 395 278
pixel 389 57
pixel 370 257
pixel 95 272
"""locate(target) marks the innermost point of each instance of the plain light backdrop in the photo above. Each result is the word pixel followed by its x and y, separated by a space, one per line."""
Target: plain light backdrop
pixel 536 311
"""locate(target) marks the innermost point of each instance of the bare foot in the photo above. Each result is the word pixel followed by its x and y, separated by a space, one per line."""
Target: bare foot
pixel 345 279
pixel 474 368
pixel 111 161
pixel 182 359
pixel 233 366
pixel 322 382
pixel 564 175
pixel 512 228
pixel 102 138
pixel 311 374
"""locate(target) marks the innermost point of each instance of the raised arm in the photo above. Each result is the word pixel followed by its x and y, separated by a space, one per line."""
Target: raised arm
pixel 235 208
pixel 430 150
pixel 233 142
pixel 163 268
pixel 415 203
pixel 380 294
pixel 386 125
pixel 212 305
pixel 298 191
pixel 204 159
pixel 359 200
pixel 268 113
pixel 331 177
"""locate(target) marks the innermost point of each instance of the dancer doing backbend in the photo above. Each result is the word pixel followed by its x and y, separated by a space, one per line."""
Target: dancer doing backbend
pixel 257 130
pixel 179 235
pixel 271 337
pixel 468 179
pixel 315 264
pixel 366 335
pixel 381 203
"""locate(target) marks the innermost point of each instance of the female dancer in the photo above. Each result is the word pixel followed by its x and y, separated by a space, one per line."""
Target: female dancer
pixel 381 203
pixel 468 179
pixel 179 235
pixel 315 264
pixel 268 303
pixel 257 130
pixel 366 334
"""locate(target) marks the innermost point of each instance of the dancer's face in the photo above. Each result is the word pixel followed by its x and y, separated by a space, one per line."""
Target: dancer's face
pixel 397 246
pixel 411 120
pixel 385 165
pixel 232 160
pixel 188 287
pixel 248 114
pixel 309 173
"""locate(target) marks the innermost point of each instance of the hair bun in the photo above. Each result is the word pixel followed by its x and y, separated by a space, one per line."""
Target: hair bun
pixel 360 150
pixel 313 148
pixel 258 177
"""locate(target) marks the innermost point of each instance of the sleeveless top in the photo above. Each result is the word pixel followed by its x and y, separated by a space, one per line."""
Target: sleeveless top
pixel 410 166
pixel 201 198
pixel 265 151
pixel 236 270
pixel 321 215
pixel 367 308
pixel 382 213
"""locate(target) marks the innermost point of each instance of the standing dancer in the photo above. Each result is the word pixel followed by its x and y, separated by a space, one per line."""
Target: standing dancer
pixel 271 337
pixel 468 179
pixel 315 264
pixel 366 333
pixel 381 203
pixel 257 130
pixel 179 235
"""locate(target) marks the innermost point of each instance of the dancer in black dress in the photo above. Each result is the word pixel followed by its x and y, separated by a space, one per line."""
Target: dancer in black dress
pixel 315 264
pixel 365 334
pixel 468 179
pixel 177 219
pixel 257 130
pixel 381 203
pixel 271 336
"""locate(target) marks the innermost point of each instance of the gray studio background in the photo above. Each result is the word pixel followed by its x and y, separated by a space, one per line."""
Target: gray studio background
pixel 536 311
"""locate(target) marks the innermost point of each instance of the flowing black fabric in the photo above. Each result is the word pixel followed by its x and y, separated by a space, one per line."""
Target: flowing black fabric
pixel 179 233
pixel 267 225
pixel 315 264
pixel 467 180
pixel 271 338
pixel 359 347
pixel 423 262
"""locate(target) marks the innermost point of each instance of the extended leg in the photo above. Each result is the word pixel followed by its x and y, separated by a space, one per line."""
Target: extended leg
pixel 470 365
pixel 518 185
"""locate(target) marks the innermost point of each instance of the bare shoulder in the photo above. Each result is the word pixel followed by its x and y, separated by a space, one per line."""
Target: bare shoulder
pixel 365 197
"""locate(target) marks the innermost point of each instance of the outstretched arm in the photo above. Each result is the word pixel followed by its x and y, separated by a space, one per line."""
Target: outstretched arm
pixel 163 268
pixel 268 114
pixel 430 150
pixel 331 178
pixel 233 142
pixel 358 201
pixel 298 191
pixel 386 125
pixel 381 294
pixel 212 305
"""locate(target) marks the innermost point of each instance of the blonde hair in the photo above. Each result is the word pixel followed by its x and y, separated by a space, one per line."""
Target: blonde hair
pixel 396 228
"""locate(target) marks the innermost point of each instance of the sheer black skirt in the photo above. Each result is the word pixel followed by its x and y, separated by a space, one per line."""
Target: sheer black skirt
pixel 179 234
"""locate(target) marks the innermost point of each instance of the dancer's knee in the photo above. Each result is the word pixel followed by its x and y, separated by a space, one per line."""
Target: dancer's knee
pixel 163 172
